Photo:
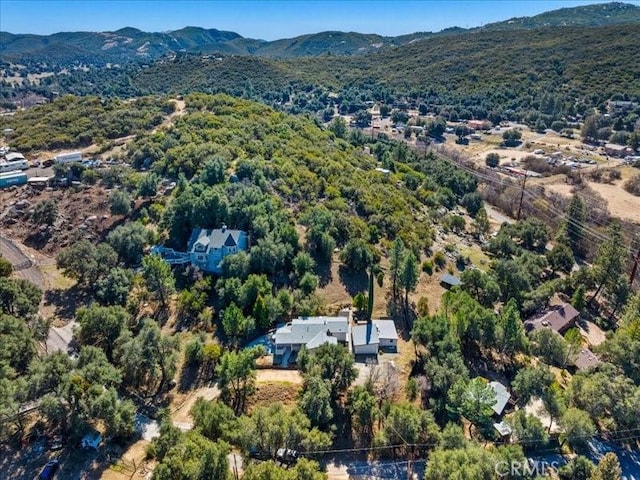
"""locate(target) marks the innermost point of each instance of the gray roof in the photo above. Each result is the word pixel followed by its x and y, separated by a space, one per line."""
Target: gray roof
pixel 214 238
pixel 503 428
pixel 586 359
pixel 502 397
pixel 302 331
pixel 450 280
pixel 365 334
pixel 386 329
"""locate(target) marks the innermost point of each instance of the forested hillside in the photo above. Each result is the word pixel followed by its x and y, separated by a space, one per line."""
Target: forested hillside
pixel 551 72
pixel 324 208
pixel 132 45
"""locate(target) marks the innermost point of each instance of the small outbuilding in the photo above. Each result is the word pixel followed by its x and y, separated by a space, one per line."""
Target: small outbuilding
pixel 449 281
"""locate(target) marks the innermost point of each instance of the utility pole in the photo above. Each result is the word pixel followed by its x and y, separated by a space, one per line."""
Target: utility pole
pixel 524 183
pixel 636 261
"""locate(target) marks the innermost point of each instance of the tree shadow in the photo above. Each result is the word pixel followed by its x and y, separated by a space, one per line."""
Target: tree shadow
pixel 354 282
pixel 65 301
pixel 323 270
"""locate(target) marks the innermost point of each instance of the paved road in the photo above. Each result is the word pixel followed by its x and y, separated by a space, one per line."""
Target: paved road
pixel 629 459
pixel 373 470
pixel 10 251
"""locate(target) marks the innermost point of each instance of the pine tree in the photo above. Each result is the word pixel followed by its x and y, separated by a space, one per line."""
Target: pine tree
pixel 395 264
pixel 575 225
pixel 608 266
pixel 608 469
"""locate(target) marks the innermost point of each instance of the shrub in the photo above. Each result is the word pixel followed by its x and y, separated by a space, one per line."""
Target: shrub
pixel 633 185
pixel 427 267
pixel 440 260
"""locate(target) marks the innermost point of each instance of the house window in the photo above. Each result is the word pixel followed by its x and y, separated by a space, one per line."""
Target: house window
pixel 200 258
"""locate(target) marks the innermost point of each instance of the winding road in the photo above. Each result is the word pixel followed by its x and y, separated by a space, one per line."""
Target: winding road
pixel 24 266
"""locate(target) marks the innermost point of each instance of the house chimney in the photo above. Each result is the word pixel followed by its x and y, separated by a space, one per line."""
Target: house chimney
pixel 224 228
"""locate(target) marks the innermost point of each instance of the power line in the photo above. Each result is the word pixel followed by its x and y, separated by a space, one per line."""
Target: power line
pixel 497 443
pixel 564 216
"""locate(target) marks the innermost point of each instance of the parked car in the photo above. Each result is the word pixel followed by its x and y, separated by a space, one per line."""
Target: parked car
pixel 49 470
pixel 287 456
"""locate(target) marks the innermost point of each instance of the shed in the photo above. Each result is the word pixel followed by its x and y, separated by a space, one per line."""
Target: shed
pixel 449 281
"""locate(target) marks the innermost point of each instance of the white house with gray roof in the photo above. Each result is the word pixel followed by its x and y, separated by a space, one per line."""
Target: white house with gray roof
pixel 207 247
pixel 310 332
pixel 368 338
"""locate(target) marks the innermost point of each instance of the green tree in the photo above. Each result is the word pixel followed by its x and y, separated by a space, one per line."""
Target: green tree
pixel 357 255
pixel 149 185
pixel 235 324
pixel 19 297
pixel 115 287
pixel 362 406
pixel 529 430
pixel 45 212
pixel 473 400
pixel 492 160
pixel 550 346
pixel 148 360
pixel 158 278
pixel 576 219
pixel 339 127
pixel 120 202
pixel 315 401
pixel 409 276
pixel 577 427
pixel 237 376
pixel 396 256
pixel 608 264
pixel 214 420
pixel 514 339
pixel 5 267
pixel 472 461
pixel 193 456
pixel 101 326
pixel 608 468
pixel 128 241
pixel 531 382
pixel 481 223
pixel 213 170
pixel 480 286
pixel 360 301
pixel 86 262
pixel 561 258
pixel 578 468
pixel 332 363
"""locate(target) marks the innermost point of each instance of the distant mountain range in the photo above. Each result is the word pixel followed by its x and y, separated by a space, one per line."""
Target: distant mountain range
pixel 132 45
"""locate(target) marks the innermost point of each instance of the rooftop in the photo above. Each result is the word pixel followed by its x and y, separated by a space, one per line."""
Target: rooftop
pixel 365 334
pixel 311 331
pixel 558 318
pixel 502 397
pixel 214 238
pixel 450 280
pixel 586 359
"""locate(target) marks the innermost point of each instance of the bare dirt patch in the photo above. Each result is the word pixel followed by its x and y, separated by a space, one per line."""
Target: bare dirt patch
pixel 620 202
pixel 268 393
pixel 277 375
pixel 181 404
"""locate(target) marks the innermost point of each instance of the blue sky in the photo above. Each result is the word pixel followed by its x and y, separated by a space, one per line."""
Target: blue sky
pixel 266 19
